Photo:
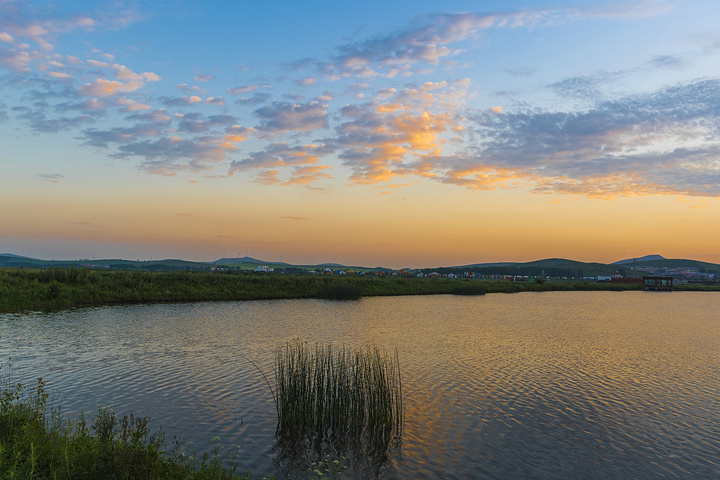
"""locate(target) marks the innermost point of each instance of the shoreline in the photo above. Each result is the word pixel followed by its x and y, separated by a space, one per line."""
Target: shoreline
pixel 24 290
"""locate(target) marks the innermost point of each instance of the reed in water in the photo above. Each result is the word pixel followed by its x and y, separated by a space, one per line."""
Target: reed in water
pixel 337 392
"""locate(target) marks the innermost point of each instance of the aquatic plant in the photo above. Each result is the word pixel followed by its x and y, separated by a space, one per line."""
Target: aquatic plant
pixel 338 393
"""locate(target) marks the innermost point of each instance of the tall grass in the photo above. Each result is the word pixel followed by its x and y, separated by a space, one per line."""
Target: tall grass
pixel 336 392
pixel 36 442
pixel 338 401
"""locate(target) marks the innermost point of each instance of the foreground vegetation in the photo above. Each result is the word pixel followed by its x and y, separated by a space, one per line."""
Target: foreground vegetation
pixel 37 443
pixel 33 289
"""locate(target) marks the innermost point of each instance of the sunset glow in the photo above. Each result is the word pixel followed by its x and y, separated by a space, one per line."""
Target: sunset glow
pixel 361 134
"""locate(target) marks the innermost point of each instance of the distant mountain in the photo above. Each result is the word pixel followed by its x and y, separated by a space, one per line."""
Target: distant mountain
pixel 646 258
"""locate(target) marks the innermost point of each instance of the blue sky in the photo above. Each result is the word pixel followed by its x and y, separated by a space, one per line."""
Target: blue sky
pixel 226 104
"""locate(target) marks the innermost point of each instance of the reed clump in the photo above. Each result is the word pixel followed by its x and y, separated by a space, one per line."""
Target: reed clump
pixel 331 392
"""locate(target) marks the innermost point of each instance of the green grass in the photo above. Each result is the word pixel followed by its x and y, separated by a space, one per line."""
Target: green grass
pixel 36 442
pixel 39 289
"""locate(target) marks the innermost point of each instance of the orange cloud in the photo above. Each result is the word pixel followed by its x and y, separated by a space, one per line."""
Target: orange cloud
pixel 484 177
pixel 268 177
pixel 107 88
pixel 385 149
pixel 607 187
pixel 388 107
pixel 308 174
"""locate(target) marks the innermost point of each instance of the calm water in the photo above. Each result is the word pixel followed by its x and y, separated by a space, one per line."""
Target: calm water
pixel 599 385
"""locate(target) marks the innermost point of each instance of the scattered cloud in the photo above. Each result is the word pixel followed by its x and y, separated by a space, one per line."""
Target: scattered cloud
pixel 52 177
pixel 255 99
pixel 183 101
pixel 247 88
pixel 667 62
pixel 307 81
pixel 666 142
pixel 170 155
pixel 281 117
pixel 379 144
pixel 662 142
pixel 298 164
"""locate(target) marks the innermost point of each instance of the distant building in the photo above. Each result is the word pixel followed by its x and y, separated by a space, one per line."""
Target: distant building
pixel 659 283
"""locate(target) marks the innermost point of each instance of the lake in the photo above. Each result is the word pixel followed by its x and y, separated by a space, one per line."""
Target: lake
pixel 555 385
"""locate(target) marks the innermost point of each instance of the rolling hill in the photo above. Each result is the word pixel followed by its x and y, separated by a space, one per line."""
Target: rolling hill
pixel 548 266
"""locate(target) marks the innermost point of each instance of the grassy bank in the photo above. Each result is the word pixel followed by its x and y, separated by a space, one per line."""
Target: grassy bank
pixel 37 443
pixel 35 289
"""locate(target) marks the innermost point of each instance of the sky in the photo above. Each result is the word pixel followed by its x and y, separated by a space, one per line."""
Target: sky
pixel 397 134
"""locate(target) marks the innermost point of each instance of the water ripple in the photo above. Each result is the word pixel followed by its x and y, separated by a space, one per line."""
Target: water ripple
pixel 594 385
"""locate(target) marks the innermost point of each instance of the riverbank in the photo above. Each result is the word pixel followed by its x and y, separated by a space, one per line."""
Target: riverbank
pixel 40 289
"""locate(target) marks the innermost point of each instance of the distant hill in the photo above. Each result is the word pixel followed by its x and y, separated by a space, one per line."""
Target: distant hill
pixel 559 267
pixel 492 264
pixel 11 260
pixel 681 262
pixel 551 267
pixel 660 261
pixel 232 261
pixel 12 255
pixel 646 258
